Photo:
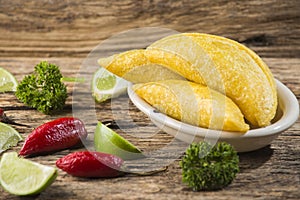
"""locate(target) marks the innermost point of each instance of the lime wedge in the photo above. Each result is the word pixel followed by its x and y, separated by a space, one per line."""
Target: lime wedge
pixel 9 137
pixel 7 81
pixel 23 177
pixel 106 85
pixel 108 141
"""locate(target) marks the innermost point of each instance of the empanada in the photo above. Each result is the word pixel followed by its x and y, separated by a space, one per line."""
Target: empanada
pixel 228 67
pixel 194 104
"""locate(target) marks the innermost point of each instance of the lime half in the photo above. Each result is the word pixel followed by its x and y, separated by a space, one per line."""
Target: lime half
pixel 7 81
pixel 9 137
pixel 106 85
pixel 108 141
pixel 22 177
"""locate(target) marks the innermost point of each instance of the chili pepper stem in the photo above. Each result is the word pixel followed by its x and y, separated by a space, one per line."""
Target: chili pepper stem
pixel 7 120
pixel 141 173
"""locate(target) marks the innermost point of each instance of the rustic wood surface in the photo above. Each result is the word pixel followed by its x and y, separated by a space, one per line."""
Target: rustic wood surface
pixel 64 32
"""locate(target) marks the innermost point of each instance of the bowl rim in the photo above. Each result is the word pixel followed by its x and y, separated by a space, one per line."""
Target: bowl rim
pixel 286 100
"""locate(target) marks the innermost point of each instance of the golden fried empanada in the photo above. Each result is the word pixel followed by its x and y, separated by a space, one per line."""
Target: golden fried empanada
pixel 228 67
pixel 193 103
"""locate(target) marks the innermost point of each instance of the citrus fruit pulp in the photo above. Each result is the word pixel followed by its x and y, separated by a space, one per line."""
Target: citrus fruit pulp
pixel 22 177
pixel 9 137
pixel 7 81
pixel 108 141
pixel 106 85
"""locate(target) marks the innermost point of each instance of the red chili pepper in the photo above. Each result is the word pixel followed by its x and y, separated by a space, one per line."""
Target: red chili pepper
pixel 53 136
pixel 91 164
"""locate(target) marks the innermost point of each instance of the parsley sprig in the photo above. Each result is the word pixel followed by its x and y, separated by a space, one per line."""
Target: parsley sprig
pixel 209 168
pixel 43 89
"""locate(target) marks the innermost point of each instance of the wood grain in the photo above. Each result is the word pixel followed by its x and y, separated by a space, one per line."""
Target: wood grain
pixel 65 32
pixel 50 28
pixel 273 170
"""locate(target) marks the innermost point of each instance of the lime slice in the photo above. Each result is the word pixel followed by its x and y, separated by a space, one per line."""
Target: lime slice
pixel 7 81
pixel 108 141
pixel 23 177
pixel 9 137
pixel 106 85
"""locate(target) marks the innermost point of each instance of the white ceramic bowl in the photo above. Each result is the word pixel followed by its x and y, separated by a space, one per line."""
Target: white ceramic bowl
pixel 287 114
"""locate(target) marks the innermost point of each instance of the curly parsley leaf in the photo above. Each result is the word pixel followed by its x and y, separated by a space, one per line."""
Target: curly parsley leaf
pixel 209 168
pixel 43 89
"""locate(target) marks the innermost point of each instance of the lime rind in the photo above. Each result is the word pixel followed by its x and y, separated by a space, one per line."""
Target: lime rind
pixel 9 137
pixel 23 177
pixel 108 141
pixel 8 82
pixel 106 85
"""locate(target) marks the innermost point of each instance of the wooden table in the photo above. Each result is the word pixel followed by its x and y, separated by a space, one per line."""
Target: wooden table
pixel 64 32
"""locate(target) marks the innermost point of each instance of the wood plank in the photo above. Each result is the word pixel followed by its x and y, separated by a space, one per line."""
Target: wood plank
pixel 65 32
pixel 73 28
pixel 271 171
